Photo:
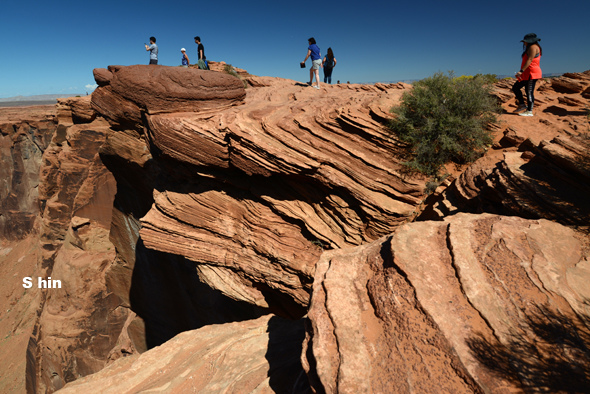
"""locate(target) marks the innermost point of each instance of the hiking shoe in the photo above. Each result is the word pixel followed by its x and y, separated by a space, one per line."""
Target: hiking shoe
pixel 316 86
pixel 526 113
pixel 521 107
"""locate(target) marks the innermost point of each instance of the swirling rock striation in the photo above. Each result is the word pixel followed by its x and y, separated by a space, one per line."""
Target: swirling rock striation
pixel 253 188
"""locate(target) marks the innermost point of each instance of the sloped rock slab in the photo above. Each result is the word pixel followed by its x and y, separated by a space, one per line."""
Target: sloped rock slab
pixel 439 307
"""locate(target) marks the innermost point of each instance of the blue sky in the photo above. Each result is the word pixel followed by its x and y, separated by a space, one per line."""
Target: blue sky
pixel 52 47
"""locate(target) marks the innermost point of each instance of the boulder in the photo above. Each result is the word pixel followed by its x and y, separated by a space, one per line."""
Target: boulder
pixel 125 91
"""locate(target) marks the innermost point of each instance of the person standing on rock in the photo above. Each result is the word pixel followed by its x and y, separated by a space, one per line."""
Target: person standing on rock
pixel 530 72
pixel 316 62
pixel 202 62
pixel 185 61
pixel 153 48
pixel 328 63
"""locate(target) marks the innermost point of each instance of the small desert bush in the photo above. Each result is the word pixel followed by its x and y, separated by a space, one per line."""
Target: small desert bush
pixel 445 119
pixel 229 69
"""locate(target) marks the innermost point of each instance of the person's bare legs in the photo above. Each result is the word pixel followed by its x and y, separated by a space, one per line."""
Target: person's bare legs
pixel 317 77
pixel 311 75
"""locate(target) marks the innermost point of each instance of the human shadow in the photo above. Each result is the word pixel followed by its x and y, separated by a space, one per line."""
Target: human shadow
pixel 560 111
pixel 552 356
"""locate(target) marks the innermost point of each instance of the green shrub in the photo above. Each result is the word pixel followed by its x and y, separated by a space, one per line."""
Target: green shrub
pixel 229 69
pixel 445 119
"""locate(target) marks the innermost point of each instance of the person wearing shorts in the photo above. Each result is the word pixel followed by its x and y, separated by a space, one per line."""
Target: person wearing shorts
pixel 313 51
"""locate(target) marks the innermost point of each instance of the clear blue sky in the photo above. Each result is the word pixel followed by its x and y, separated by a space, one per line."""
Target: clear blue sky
pixel 53 46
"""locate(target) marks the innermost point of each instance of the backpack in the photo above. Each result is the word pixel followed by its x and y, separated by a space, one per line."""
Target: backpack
pixel 329 62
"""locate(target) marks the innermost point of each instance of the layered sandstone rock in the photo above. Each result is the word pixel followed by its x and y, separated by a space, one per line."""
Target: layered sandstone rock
pixel 125 92
pixel 253 192
pixel 259 356
pixel 173 200
pixel 442 306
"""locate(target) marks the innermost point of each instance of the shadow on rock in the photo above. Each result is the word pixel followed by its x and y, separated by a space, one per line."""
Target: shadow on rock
pixel 285 339
pixel 552 356
pixel 167 293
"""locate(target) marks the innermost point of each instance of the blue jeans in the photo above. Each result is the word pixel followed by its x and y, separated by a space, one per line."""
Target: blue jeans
pixel 328 75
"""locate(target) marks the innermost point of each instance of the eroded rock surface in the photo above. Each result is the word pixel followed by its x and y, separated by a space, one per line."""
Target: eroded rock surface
pixel 174 199
pixel 259 356
pixel 125 92
pixel 438 307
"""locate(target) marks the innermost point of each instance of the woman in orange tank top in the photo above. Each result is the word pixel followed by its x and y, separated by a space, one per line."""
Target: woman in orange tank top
pixel 530 72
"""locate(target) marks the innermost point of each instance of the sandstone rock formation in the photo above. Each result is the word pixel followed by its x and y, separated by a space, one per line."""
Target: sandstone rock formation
pixel 436 306
pixel 175 199
pixel 302 172
pixel 124 92
pixel 266 351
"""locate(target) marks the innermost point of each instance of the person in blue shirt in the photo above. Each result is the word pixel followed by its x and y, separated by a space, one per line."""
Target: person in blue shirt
pixel 185 61
pixel 153 48
pixel 316 62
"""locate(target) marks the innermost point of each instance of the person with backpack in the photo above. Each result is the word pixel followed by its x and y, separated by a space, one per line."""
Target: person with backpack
pixel 202 62
pixel 328 63
pixel 530 72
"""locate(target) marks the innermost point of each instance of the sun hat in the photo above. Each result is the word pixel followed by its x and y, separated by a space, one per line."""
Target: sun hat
pixel 182 50
pixel 530 38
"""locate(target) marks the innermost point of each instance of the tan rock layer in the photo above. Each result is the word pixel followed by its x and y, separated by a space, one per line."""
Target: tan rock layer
pixel 259 356
pixel 22 144
pixel 420 310
pixel 543 168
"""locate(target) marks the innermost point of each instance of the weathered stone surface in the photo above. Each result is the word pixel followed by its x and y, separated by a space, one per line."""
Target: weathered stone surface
pixel 422 310
pixel 551 183
pixel 235 205
pixel 18 311
pixel 571 82
pixel 25 134
pixel 259 356
pixel 123 94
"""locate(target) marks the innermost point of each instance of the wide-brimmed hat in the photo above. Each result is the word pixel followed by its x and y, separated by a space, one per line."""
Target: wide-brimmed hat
pixel 530 38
